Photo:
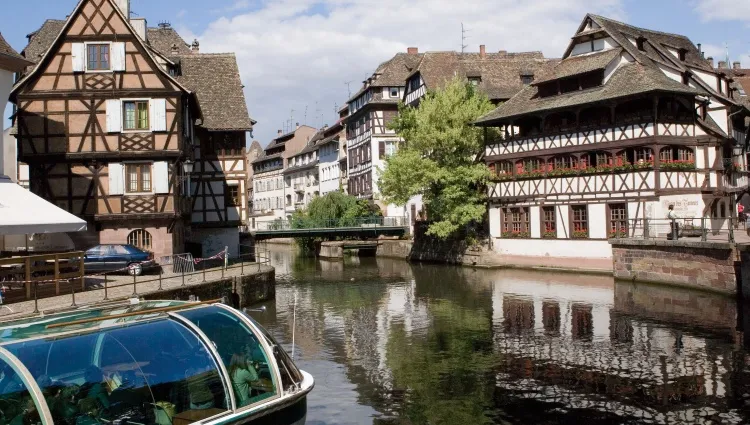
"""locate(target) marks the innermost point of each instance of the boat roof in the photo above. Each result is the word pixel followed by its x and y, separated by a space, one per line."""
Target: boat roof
pixel 86 318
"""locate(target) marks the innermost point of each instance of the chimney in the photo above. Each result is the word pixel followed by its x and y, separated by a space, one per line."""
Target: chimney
pixel 503 53
pixel 710 60
pixel 413 50
pixel 297 125
pixel 482 51
pixel 279 133
pixel 736 65
pixel 124 6
pixel 196 47
pixel 139 25
pixel 722 64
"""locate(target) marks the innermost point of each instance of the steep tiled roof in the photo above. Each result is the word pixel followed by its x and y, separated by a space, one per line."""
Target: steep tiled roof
pixel 391 73
pixel 295 168
pixel 628 80
pixel 41 39
pixel 656 43
pixel 575 65
pixel 265 157
pixel 500 73
pixel 9 58
pixel 215 78
pixel 163 38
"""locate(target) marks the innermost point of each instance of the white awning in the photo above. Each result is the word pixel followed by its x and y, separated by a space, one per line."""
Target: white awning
pixel 24 213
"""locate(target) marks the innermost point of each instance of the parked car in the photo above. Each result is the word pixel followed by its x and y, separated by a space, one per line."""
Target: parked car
pixel 110 258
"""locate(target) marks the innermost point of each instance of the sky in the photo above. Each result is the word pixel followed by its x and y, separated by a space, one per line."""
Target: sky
pixel 300 59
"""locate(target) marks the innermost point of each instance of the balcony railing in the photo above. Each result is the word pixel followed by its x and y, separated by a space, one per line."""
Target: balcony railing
pixel 688 228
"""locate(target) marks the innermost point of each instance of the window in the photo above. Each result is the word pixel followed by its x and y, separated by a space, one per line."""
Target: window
pixel 618 221
pixel 394 91
pixel 97 57
pixel 580 219
pixel 474 81
pixel 139 371
pixel 231 195
pixel 515 223
pixel 135 115
pixel 504 168
pixel 564 162
pixel 244 358
pixel 139 178
pixel 549 223
pixel 140 238
pixel 390 148
pixel 527 79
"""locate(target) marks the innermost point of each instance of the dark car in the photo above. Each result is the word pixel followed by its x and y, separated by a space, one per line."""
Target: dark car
pixel 124 258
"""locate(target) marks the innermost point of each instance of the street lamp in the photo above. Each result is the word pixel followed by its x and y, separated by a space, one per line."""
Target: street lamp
pixel 187 169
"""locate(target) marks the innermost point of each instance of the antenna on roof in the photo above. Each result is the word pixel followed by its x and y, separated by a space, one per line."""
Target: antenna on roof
pixel 348 88
pixel 463 38
pixel 164 24
pixel 132 12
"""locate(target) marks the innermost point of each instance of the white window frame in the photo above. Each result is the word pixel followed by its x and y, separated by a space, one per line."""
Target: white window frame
pixel 397 91
pixel 122 115
pixel 86 58
pixel 125 180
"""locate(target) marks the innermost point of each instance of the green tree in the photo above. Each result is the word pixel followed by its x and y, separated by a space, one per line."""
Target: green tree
pixel 441 158
pixel 334 209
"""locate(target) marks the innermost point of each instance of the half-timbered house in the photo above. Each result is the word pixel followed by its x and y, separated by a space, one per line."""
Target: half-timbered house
pixel 268 175
pixel 301 179
pixel 629 122
pixel 330 150
pixel 107 121
pixel 499 75
pixel 369 140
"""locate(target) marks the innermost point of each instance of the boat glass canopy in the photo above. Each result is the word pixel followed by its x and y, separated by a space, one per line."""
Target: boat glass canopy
pixel 151 362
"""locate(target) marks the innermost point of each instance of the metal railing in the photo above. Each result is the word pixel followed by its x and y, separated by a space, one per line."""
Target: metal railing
pixel 251 261
pixel 361 222
pixel 691 228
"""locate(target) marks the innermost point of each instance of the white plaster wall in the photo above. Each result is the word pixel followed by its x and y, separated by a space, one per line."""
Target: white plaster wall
pixel 599 45
pixel 719 115
pixel 495 231
pixel 6 83
pixel 534 218
pixel 597 221
pixel 9 156
pixel 616 63
pixel 564 248
pixel 213 241
pixel 706 77
pixel 685 206
pixel 671 73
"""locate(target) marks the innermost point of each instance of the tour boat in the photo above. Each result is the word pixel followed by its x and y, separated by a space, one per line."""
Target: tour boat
pixel 147 362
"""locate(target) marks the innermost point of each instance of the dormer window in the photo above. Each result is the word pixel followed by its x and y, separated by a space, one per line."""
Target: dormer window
pixel 527 78
pixel 394 91
pixel 474 81
pixel 97 57
pixel 682 54
pixel 640 42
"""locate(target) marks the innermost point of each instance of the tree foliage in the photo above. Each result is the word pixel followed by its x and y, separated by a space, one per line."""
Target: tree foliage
pixel 440 158
pixel 334 209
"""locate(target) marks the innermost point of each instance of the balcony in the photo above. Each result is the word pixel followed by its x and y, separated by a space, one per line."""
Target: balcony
pixel 585 138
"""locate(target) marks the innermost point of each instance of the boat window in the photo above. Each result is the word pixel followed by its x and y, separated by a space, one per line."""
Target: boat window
pixel 252 378
pixel 156 372
pixel 16 404
pixel 291 377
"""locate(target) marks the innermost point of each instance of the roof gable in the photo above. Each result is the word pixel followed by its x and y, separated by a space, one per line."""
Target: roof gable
pixel 9 58
pixel 92 18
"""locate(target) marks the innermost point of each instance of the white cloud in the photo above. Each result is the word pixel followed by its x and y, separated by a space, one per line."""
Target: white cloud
pixel 723 10
pixel 294 53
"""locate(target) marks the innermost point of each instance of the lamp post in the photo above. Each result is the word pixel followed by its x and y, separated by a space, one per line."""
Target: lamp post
pixel 187 169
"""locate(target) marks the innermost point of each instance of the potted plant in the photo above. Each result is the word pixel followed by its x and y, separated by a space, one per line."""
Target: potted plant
pixel 514 234
pixel 580 234
pixel 691 230
pixel 549 234
pixel 618 234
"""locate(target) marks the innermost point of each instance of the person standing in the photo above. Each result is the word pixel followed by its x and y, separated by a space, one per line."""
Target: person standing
pixel 741 216
pixel 674 227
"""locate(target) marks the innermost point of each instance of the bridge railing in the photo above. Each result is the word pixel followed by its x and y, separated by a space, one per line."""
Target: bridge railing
pixel 359 222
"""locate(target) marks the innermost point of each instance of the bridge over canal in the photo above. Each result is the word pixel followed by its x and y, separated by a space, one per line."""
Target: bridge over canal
pixel 362 228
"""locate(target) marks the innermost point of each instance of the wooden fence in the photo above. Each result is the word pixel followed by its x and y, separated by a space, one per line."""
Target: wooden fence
pixel 20 274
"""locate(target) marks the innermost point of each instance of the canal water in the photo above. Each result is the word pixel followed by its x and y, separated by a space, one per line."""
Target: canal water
pixel 390 342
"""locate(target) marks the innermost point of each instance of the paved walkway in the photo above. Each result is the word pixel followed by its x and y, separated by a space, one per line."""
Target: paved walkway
pixel 121 287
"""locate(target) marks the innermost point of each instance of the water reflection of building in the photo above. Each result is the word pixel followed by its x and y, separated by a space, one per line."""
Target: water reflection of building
pixel 567 346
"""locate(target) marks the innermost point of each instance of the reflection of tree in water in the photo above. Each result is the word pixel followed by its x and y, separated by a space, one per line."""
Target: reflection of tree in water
pixel 447 374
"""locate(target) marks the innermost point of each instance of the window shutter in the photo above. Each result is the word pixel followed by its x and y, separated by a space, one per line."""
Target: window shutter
pixel 118 56
pixel 161 177
pixel 381 150
pixel 114 115
pixel 78 56
pixel 116 177
pixel 158 114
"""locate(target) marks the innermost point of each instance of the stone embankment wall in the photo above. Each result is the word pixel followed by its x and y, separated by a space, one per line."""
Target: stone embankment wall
pixel 251 288
pixel 701 265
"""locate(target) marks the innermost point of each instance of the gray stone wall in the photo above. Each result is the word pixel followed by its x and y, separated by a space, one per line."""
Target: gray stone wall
pixel 702 265
pixel 252 289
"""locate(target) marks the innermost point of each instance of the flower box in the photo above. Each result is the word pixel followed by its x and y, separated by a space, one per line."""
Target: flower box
pixel 515 235
pixel 549 234
pixel 618 234
pixel 580 234
pixel 677 165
